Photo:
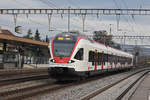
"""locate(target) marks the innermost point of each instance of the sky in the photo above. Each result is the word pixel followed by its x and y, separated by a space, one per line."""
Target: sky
pixel 137 25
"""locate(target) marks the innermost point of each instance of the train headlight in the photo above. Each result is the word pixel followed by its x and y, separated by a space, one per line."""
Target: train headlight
pixel 52 60
pixel 71 61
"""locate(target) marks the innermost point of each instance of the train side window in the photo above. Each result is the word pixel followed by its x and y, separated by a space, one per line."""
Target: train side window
pixel 109 58
pixel 115 59
pixel 118 59
pixel 91 57
pixel 123 60
pixel 105 57
pixel 130 60
pixel 79 54
pixel 99 58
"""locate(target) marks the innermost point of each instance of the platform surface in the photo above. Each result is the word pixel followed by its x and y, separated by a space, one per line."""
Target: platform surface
pixel 143 91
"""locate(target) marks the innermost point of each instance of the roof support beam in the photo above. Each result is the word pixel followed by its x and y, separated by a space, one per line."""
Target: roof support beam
pixel 78 11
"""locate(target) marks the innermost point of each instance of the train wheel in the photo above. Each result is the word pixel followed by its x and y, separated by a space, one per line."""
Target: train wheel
pixel 82 78
pixel 87 74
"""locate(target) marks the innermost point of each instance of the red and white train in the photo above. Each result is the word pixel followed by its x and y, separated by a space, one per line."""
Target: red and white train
pixel 75 56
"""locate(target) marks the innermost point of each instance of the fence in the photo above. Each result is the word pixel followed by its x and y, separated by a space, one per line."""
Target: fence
pixel 36 60
pixel 14 60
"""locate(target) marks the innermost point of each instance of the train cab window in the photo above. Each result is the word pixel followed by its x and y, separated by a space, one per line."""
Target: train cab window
pixel 79 54
pixel 49 53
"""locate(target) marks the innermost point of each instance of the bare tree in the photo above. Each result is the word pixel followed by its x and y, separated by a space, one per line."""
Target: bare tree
pixel 102 37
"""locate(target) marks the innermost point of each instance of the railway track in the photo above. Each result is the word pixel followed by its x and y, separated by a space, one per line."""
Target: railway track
pixel 44 88
pixel 106 88
pixel 24 93
pixel 23 78
pixel 10 72
pixel 19 94
pixel 9 77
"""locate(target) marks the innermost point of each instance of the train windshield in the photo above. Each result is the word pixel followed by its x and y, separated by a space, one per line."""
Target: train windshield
pixel 62 48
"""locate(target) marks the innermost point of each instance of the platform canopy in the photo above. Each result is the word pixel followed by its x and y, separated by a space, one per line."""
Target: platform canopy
pixel 7 37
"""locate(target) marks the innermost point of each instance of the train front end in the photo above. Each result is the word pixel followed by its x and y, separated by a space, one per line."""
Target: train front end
pixel 61 49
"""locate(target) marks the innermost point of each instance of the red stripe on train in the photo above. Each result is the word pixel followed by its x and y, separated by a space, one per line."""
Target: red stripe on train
pixel 52 47
pixel 61 59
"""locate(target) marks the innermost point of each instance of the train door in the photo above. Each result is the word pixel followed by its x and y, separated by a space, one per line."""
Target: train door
pixel 95 59
pixel 111 61
pixel 115 62
pixel 102 60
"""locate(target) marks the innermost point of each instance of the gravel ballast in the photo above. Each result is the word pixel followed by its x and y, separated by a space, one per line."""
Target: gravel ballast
pixel 79 91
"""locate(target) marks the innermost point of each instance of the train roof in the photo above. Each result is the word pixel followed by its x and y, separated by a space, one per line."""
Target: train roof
pixel 109 50
pixel 119 52
pixel 73 34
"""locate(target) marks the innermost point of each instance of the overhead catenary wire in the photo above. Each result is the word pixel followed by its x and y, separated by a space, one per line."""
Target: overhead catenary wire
pixel 118 7
pixel 140 3
pixel 119 19
pixel 8 25
pixel 33 21
pixel 116 4
pixel 49 15
pixel 20 3
pixel 132 17
pixel 15 16
pixel 50 0
pixel 83 16
pixel 74 4
pixel 53 3
pixel 48 3
pixel 125 4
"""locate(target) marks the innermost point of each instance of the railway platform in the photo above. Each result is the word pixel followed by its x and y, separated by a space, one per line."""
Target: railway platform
pixel 143 90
